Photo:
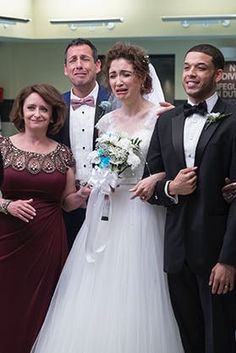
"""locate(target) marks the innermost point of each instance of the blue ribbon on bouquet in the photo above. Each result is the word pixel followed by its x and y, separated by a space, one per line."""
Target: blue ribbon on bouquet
pixel 102 181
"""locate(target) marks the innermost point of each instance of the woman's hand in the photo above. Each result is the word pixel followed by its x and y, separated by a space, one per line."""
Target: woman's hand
pixel 22 209
pixel 76 199
pixel 83 194
pixel 145 188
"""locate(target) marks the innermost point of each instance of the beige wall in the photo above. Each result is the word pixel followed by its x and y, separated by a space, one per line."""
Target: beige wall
pixel 142 18
pixel 23 63
pixel 33 52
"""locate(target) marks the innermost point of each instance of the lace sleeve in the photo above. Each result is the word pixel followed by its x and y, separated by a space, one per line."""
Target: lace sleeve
pixel 104 124
pixel 67 156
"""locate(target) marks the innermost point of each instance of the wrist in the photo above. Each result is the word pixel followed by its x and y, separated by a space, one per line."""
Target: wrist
pixel 171 188
pixel 4 206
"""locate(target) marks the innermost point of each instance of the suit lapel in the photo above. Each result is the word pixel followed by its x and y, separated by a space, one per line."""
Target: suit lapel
pixel 177 136
pixel 207 132
pixel 65 135
pixel 103 95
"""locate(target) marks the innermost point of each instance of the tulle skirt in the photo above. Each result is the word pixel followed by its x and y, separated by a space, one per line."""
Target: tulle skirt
pixel 119 303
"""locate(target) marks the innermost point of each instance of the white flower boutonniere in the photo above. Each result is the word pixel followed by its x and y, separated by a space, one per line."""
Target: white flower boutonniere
pixel 214 117
pixel 105 105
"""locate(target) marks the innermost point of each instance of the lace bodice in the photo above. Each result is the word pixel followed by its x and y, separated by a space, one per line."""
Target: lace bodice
pixel 60 159
pixel 110 123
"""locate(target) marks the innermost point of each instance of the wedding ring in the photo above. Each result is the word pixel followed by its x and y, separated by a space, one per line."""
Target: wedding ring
pixel 230 195
pixel 142 197
pixel 226 286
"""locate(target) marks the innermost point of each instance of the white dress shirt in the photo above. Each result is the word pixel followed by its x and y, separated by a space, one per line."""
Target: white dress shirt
pixel 193 128
pixel 81 135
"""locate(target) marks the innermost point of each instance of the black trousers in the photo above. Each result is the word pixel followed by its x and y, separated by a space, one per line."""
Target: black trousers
pixel 206 321
pixel 73 222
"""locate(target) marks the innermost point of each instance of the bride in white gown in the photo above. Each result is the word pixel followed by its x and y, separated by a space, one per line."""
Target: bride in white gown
pixel 119 303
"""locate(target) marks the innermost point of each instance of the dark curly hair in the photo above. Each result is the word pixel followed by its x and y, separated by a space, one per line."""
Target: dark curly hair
pixel 50 95
pixel 137 57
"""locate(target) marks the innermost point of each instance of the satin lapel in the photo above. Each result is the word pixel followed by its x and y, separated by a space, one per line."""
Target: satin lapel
pixel 207 133
pixel 177 136
pixel 103 95
pixel 66 127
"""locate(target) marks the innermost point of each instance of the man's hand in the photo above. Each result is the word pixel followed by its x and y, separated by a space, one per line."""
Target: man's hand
pixel 229 190
pixel 184 183
pixel 222 278
pixel 164 107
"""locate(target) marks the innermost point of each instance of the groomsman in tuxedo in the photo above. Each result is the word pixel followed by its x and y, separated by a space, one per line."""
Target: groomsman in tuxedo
pixel 195 144
pixel 84 109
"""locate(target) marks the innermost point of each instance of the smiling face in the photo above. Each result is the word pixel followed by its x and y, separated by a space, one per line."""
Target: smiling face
pixel 81 68
pixel 200 76
pixel 125 84
pixel 37 113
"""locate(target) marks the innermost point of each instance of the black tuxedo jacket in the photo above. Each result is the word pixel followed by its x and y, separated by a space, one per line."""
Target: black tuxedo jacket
pixel 201 228
pixel 63 135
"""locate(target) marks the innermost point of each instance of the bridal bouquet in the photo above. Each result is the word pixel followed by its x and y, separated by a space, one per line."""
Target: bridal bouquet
pixel 116 152
pixel 112 155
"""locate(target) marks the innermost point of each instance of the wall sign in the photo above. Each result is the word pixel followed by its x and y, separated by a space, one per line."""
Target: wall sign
pixel 226 88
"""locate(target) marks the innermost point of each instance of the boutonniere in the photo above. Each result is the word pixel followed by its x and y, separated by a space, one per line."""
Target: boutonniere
pixel 105 106
pixel 214 117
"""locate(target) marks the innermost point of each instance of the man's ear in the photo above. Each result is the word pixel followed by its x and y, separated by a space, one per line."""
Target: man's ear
pixel 98 66
pixel 219 75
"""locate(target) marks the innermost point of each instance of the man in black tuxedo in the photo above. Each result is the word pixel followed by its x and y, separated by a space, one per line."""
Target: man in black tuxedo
pixel 197 150
pixel 86 103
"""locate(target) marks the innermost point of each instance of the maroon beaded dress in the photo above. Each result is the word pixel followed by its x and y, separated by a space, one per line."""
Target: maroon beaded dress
pixel 31 254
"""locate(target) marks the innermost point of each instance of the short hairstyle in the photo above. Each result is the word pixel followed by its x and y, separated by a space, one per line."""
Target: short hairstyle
pixel 217 56
pixel 50 95
pixel 137 57
pixel 82 41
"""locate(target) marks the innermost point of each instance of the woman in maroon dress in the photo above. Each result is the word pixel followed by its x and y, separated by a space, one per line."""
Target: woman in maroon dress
pixel 38 182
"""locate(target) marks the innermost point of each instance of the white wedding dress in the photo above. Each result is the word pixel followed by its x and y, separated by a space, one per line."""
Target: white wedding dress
pixel 120 302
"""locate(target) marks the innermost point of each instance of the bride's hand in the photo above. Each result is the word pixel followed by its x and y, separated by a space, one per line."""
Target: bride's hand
pixel 145 188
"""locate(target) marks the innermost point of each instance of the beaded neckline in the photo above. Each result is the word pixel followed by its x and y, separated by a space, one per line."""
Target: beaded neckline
pixel 35 153
pixel 59 159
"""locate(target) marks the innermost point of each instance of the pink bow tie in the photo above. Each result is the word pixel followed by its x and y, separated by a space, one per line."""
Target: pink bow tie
pixel 76 103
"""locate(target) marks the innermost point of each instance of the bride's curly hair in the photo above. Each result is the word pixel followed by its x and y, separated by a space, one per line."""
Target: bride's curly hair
pixel 137 57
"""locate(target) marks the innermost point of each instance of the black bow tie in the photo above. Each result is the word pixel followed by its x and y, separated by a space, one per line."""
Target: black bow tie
pixel 189 109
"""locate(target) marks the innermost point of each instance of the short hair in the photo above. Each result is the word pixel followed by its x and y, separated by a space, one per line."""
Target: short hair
pixel 50 95
pixel 217 56
pixel 82 41
pixel 137 57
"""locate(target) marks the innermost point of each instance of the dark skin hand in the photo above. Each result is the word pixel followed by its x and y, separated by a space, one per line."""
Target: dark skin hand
pixel 229 190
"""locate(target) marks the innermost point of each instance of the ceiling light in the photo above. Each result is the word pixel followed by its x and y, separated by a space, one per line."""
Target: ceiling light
pixel 204 20
pixel 5 20
pixel 73 24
